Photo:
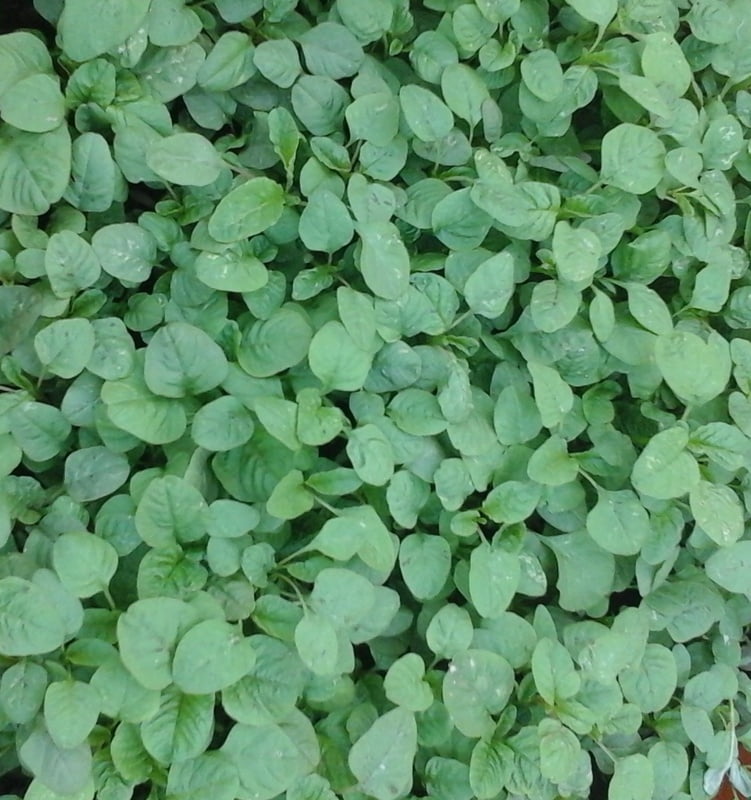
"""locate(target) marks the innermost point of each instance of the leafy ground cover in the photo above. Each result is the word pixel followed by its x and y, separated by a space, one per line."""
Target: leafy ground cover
pixel 376 399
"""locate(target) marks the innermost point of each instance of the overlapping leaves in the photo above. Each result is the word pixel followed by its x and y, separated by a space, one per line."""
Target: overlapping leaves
pixel 375 414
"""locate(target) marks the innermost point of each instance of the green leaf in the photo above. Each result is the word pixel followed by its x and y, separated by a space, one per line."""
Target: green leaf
pixel 147 634
pixel 650 683
pixel 553 671
pixel 633 778
pixel 170 511
pixel 428 117
pixel 65 346
pixel 272 345
pixel 125 251
pixel 228 64
pixel 30 622
pixel 211 656
pixel 133 408
pixel 180 729
pixel 71 709
pixel 290 498
pixel 277 60
pixel 271 757
pixel 70 263
pixel 381 759
pixel 88 29
pixel 696 370
pixel 325 223
pixel 317 644
pixel 222 424
pixel 404 684
pixel 664 469
pixel 336 360
pixel 210 774
pixel 729 567
pixel 577 253
pixel 94 174
pixel 464 92
pixel 600 12
pixel 186 159
pixel 512 501
pixel 542 75
pixel 551 465
pixel 34 104
pixel 84 562
pixel 450 631
pixel 232 270
pixel 476 688
pixel 425 563
pixel 22 689
pixel 369 22
pixel 384 260
pixel 182 360
pixel 618 522
pixel 330 49
pixel 250 208
pixel 718 511
pixel 494 576
pixel 34 169
pixel 38 429
pixel 371 455
pixel 632 158
pixel 490 287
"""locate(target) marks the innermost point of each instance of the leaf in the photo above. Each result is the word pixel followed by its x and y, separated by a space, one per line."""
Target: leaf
pixel 211 656
pixel 330 49
pixel 381 759
pixel 183 360
pixel 697 371
pixel 180 729
pixel 729 567
pixel 125 251
pixel 542 74
pixel 490 287
pixel 186 159
pixel 147 634
pixel 618 522
pixel 404 684
pixel 70 263
pixel 222 424
pixel 65 346
pixel 84 562
pixel 494 577
pixel 475 689
pixel 71 709
pixel 317 644
pixel 30 623
pixel 88 29
pixel 633 778
pixel 325 223
pixel 273 756
pixel 384 260
pixel 336 360
pixel 632 158
pixel 664 469
pixel 210 774
pixel 170 510
pixel 595 11
pixel 246 210
pixel 577 253
pixel 34 169
pixel 425 563
pixel 428 117
pixel 34 104
pixel 718 511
